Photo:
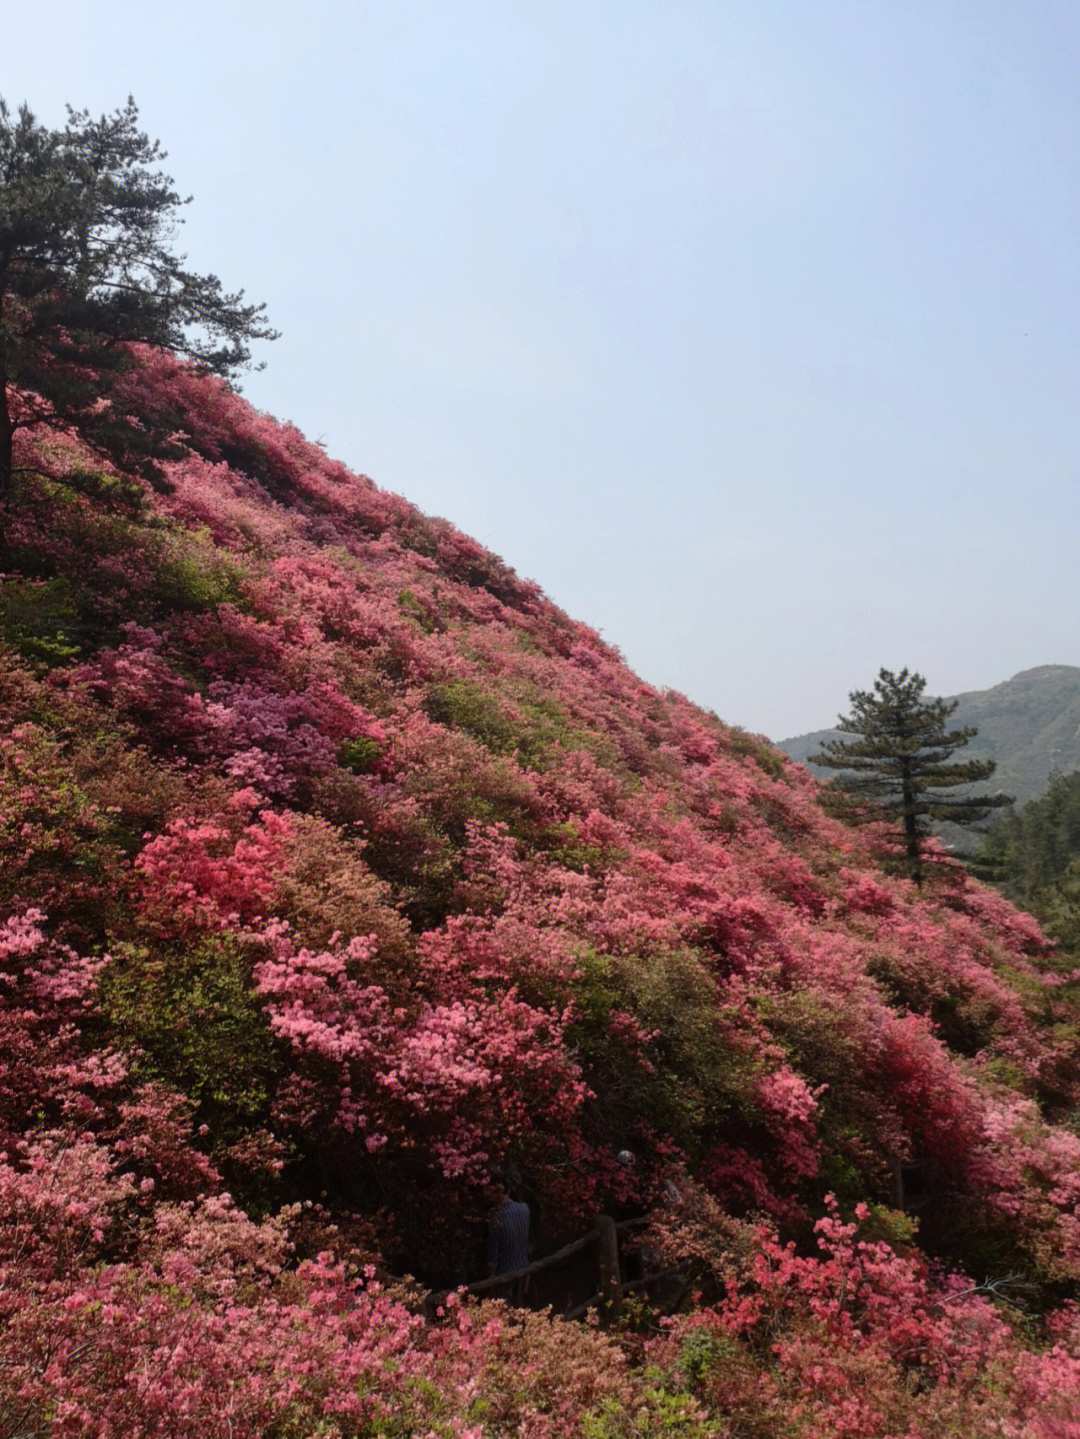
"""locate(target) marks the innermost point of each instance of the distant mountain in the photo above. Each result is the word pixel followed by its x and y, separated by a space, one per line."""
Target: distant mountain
pixel 1030 725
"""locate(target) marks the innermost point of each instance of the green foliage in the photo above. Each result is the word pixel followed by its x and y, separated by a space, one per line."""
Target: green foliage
pixel 57 849
pixel 594 998
pixel 565 847
pixel 132 565
pixel 1005 1072
pixel 360 755
pixel 108 491
pixel 664 1412
pixel 189 572
pixel 418 860
pixel 416 532
pixel 839 1174
pixel 701 1351
pixel 674 996
pixel 1033 856
pixel 535 735
pixel 461 704
pixel 965 1022
pixel 418 611
pixel 890 1226
pixel 753 747
pixel 850 1117
pixel 41 619
pixel 545 728
pixel 1027 850
pixel 545 732
pixel 625 1092
pixel 193 1012
pixel 695 1082
pixel 1058 906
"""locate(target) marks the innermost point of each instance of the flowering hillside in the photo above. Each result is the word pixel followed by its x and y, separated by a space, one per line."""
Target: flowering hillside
pixel 341 869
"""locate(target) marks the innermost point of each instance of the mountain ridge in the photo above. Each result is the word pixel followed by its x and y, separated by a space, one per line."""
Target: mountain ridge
pixel 1028 724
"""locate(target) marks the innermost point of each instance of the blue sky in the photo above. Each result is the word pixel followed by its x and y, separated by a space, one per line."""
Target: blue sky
pixel 750 330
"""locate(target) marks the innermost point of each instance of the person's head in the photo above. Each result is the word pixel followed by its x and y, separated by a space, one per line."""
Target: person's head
pixel 496 1193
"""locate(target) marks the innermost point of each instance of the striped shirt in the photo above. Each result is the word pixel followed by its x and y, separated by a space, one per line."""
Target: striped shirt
pixel 508 1237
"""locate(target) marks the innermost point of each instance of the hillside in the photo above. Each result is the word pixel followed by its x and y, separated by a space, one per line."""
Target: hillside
pixel 342 871
pixel 1028 725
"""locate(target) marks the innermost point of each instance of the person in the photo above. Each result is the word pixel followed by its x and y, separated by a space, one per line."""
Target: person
pixel 508 1231
pixel 673 1195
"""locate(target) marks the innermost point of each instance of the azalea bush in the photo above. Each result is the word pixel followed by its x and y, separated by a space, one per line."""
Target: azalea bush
pixel 339 869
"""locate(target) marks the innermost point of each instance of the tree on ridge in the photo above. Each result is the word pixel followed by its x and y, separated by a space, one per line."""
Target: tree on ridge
pixel 897 760
pixel 87 272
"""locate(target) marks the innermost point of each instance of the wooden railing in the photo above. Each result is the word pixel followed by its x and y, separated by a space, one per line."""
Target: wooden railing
pixel 603 1281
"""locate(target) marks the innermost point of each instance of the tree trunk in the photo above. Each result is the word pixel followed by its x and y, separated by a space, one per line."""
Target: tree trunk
pixel 7 425
pixel 911 829
pixel 897 1167
pixel 610 1272
pixel 7 430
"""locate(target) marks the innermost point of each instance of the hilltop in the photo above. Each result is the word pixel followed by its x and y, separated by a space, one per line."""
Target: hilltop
pixel 341 870
pixel 1028 725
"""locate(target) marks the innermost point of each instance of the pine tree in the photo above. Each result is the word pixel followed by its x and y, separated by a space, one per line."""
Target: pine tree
pixel 87 274
pixel 1027 852
pixel 897 761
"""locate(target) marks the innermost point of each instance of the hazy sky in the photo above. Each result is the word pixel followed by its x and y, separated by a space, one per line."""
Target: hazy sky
pixel 750 329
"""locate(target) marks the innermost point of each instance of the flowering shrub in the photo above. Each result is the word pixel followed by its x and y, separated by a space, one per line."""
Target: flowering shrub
pixel 463 1082
pixel 197 873
pixel 339 867
pixel 860 1340
pixel 46 992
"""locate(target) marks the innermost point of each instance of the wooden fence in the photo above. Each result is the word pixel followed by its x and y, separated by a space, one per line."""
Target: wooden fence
pixel 592 1272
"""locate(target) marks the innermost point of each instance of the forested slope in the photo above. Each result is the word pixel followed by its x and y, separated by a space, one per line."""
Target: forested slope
pixel 1033 856
pixel 341 868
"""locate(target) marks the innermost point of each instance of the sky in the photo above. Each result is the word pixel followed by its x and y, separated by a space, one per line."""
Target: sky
pixel 749 329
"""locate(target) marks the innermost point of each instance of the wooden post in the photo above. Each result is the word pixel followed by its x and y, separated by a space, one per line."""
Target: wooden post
pixel 610 1286
pixel 897 1181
